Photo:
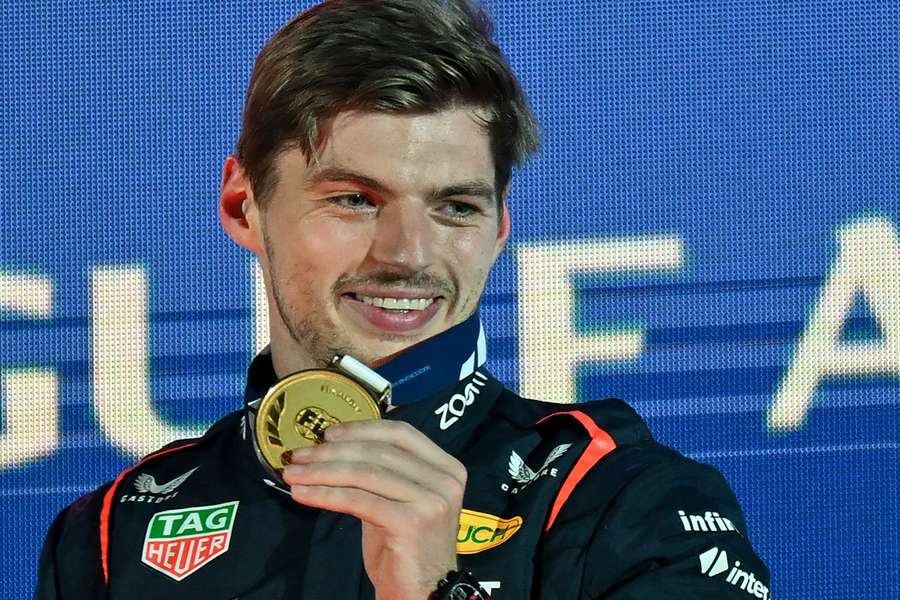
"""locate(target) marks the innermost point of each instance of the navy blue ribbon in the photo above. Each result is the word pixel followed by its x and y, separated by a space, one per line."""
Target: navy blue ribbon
pixel 436 363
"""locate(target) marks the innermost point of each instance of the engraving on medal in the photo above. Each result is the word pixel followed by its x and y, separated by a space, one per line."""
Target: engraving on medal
pixel 312 422
pixel 330 390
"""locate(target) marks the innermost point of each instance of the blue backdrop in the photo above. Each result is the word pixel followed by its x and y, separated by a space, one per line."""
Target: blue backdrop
pixel 722 178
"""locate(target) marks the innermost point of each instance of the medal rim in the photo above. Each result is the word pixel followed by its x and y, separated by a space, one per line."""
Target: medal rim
pixel 326 375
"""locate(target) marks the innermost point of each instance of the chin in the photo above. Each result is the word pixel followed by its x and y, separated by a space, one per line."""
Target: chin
pixel 385 348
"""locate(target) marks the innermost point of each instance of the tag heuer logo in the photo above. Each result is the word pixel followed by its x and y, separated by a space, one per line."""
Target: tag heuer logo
pixel 182 540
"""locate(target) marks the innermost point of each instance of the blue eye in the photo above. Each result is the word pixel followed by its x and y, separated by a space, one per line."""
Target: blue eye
pixel 352 201
pixel 459 210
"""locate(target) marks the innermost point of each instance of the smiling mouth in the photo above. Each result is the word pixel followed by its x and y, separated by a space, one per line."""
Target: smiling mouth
pixel 397 304
pixel 390 314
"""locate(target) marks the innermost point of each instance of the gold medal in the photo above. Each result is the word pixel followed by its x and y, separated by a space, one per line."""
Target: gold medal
pixel 298 409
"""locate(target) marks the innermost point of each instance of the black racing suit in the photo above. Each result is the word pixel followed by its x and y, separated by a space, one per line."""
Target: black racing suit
pixel 562 501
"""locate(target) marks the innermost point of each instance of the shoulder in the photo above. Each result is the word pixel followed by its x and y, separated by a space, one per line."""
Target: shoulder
pixel 634 474
pixel 83 519
pixel 75 550
pixel 674 526
pixel 173 458
pixel 646 514
pixel 71 554
pixel 612 416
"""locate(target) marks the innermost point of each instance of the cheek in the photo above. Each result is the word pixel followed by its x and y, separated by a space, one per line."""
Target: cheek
pixel 318 252
pixel 472 248
pixel 471 255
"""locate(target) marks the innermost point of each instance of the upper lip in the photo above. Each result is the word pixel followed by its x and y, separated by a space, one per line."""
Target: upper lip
pixel 406 293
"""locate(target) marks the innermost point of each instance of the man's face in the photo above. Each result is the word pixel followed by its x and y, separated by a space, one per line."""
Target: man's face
pixel 387 241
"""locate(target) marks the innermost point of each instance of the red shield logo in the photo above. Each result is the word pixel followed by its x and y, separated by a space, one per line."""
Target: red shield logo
pixel 181 541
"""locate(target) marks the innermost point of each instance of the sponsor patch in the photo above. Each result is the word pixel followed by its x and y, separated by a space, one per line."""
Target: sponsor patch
pixel 709 521
pixel 522 473
pixel 182 540
pixel 480 531
pixel 714 562
pixel 153 493
pixel 451 411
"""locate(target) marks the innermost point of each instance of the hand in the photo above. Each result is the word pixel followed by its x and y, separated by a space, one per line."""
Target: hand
pixel 406 491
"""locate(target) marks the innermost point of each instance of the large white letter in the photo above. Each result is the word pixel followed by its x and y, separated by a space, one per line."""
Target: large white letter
pixel 31 424
pixel 119 342
pixel 868 263
pixel 550 348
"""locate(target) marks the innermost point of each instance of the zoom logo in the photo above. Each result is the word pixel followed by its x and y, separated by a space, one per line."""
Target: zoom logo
pixel 715 562
pixel 455 407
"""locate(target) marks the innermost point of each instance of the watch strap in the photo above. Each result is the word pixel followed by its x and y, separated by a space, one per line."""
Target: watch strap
pixel 459 585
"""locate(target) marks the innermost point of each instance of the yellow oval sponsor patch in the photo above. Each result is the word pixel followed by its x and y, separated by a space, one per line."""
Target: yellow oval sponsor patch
pixel 480 531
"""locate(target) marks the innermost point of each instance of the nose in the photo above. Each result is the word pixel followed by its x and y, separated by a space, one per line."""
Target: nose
pixel 404 237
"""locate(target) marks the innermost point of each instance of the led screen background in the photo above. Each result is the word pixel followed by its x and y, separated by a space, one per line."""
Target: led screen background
pixel 710 232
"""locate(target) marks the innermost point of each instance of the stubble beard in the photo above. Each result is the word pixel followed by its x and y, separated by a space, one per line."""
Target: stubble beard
pixel 306 329
pixel 321 339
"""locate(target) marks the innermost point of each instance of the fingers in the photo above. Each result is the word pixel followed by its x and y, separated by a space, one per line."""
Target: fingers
pixel 416 517
pixel 364 505
pixel 374 467
pixel 377 479
pixel 377 467
pixel 379 456
pixel 399 434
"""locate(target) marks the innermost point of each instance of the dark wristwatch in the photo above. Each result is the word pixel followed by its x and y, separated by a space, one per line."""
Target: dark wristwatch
pixel 459 585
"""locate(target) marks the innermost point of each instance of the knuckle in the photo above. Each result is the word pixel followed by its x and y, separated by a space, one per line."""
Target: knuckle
pixel 438 506
pixel 458 488
pixel 450 484
pixel 460 471
pixel 404 428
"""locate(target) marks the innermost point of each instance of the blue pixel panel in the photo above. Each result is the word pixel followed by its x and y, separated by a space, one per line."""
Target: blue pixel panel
pixel 723 178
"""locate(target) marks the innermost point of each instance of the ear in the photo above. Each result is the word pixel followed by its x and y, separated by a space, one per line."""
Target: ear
pixel 504 224
pixel 238 211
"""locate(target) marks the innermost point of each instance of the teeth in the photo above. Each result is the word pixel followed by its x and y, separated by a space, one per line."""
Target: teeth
pixel 397 303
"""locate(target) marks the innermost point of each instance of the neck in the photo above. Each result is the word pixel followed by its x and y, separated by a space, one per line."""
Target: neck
pixel 288 356
pixel 416 372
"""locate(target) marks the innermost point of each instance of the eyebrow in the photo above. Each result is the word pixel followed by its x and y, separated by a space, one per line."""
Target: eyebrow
pixel 325 174
pixel 474 188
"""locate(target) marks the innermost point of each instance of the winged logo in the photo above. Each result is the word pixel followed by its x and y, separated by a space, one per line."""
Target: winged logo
pixel 147 484
pixel 522 473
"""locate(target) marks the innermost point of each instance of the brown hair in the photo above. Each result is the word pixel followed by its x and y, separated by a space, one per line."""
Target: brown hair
pixel 399 56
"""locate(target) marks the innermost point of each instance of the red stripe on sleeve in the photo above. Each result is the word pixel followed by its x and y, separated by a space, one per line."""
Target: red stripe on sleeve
pixel 601 444
pixel 106 510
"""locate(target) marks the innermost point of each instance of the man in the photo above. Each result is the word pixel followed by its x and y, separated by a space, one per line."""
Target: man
pixel 371 180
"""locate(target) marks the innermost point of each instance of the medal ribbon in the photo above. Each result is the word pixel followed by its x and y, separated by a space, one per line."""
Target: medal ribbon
pixel 436 363
pixel 415 373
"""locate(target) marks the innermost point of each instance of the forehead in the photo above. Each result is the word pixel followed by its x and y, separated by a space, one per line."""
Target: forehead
pixel 410 151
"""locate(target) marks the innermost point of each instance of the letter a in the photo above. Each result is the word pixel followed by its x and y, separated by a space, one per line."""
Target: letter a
pixel 868 262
